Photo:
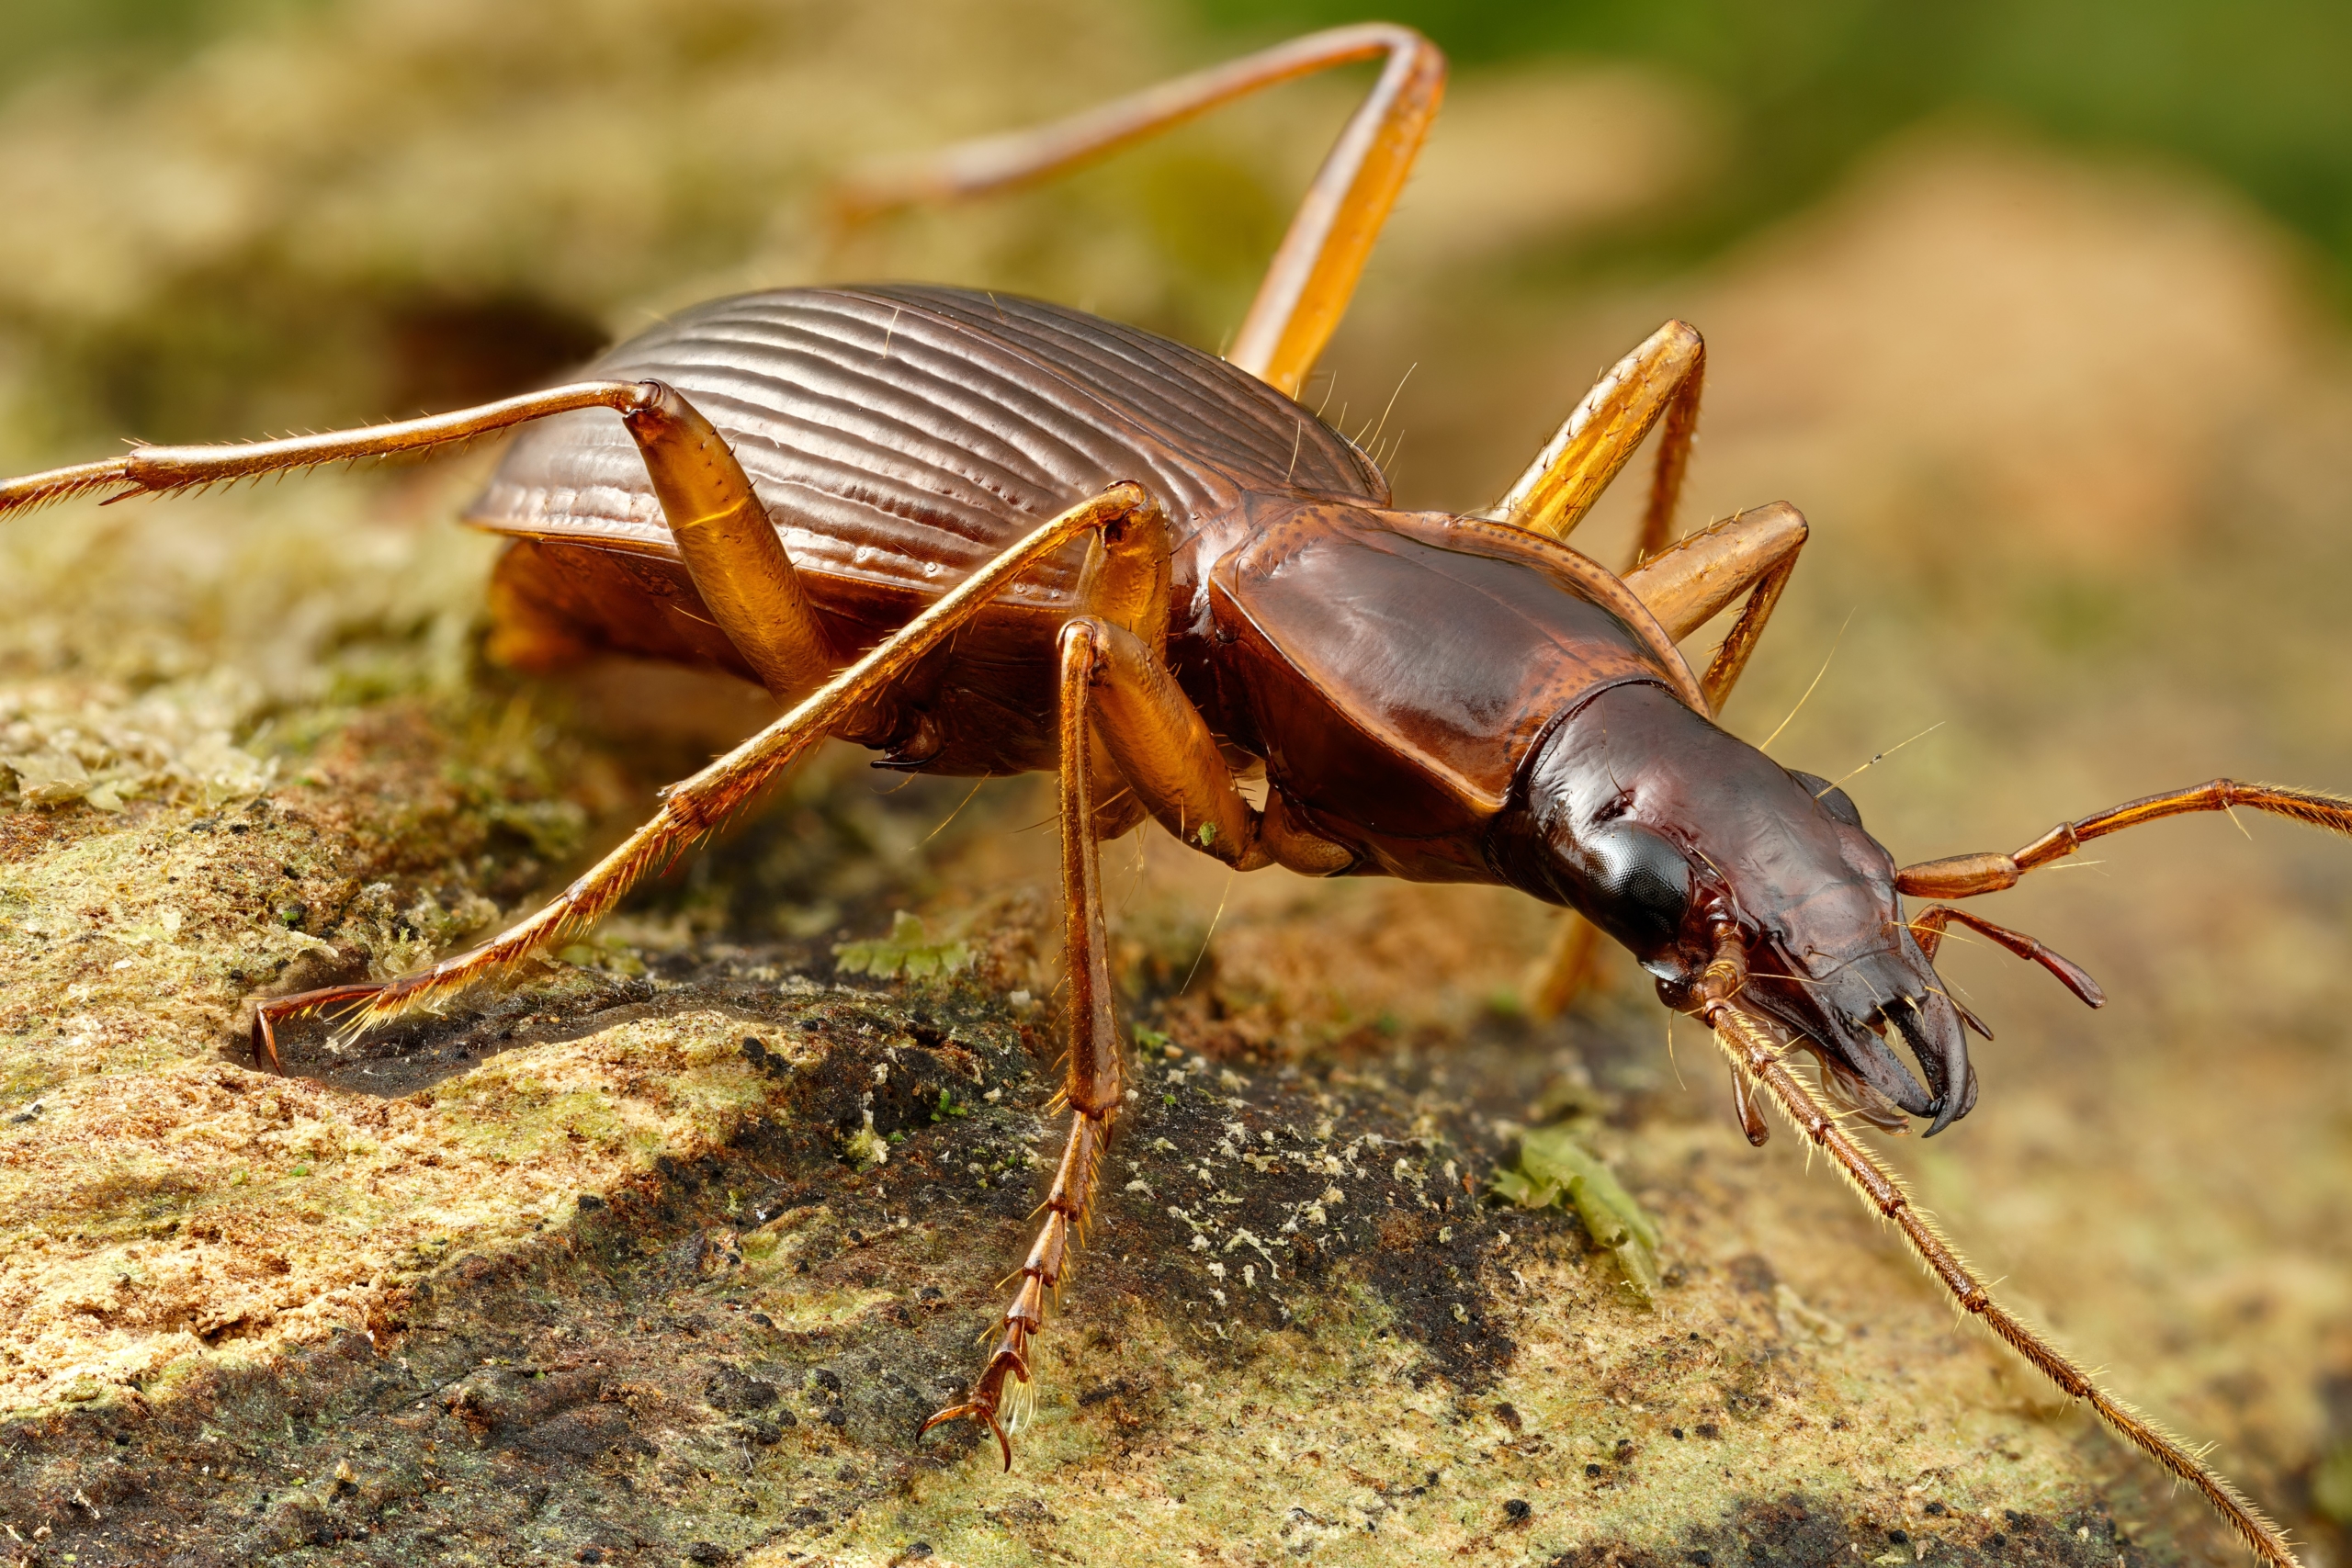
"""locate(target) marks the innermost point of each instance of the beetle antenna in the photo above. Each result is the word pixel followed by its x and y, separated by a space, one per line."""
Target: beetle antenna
pixel 1754 1056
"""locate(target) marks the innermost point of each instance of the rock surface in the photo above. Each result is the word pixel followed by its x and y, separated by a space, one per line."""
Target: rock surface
pixel 608 1269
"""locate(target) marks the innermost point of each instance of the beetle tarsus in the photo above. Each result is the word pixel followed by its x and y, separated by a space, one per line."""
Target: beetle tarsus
pixel 268 1015
pixel 974 1411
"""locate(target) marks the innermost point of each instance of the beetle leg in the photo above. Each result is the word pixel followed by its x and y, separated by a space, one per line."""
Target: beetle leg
pixel 1968 876
pixel 1313 274
pixel 162 470
pixel 731 550
pixel 1162 747
pixel 1561 975
pixel 1096 1081
pixel 1155 738
pixel 693 810
pixel 1754 553
pixel 1660 379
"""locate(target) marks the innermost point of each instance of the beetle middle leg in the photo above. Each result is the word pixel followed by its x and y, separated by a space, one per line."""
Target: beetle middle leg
pixel 1660 379
pixel 1096 1079
pixel 1116 686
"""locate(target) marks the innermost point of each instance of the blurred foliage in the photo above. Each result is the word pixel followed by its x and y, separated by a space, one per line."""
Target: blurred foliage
pixel 240 215
pixel 2253 92
pixel 42 35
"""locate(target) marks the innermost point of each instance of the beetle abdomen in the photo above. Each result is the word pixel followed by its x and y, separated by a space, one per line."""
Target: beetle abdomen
pixel 901 436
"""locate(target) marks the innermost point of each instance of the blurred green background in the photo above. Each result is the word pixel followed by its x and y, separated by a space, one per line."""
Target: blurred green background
pixel 2254 91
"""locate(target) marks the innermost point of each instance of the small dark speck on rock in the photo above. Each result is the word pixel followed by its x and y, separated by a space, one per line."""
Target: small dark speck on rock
pixel 1677 1434
pixel 1517 1509
pixel 708 1553
pixel 1709 1429
pixel 1900 1537
pixel 1702 1557
pixel 1592 1471
pixel 1935 1510
pixel 590 1554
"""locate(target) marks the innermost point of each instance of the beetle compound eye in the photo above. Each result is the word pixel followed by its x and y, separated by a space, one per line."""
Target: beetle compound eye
pixel 1835 802
pixel 1641 886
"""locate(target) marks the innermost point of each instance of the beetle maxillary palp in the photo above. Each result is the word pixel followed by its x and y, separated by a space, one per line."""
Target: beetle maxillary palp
pixel 1929 928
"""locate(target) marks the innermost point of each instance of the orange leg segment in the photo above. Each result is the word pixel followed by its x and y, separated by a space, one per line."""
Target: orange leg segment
pixel 730 547
pixel 1314 273
pixel 1968 876
pixel 1660 379
pixel 695 807
pixel 1753 553
pixel 1096 1077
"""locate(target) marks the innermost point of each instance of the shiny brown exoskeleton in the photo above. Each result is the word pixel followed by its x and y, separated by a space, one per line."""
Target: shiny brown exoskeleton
pixel 984 535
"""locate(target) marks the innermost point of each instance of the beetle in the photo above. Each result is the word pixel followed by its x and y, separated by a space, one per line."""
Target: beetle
pixel 990 536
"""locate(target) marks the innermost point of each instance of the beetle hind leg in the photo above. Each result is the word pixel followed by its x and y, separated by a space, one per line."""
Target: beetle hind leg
pixel 695 807
pixel 730 547
pixel 166 471
pixel 1313 275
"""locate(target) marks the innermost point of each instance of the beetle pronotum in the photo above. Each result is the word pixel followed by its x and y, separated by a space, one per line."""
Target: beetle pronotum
pixel 1162 564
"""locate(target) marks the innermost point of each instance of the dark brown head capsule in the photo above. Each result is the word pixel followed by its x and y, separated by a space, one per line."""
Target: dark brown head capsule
pixel 1659 827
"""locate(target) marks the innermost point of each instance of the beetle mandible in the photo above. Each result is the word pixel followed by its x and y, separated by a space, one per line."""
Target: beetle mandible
pixel 990 536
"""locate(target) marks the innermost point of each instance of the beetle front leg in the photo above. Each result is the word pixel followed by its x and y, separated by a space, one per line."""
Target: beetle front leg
pixel 1755 553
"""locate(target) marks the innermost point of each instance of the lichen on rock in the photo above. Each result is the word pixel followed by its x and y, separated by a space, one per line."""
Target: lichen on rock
pixel 668 1252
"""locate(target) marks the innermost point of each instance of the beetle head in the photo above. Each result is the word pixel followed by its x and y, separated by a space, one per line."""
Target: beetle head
pixel 1661 828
